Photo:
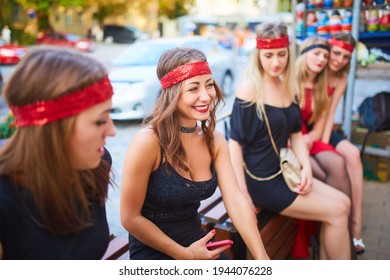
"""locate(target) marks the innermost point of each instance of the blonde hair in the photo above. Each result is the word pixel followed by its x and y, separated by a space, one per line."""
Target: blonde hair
pixel 320 98
pixel 164 120
pixel 39 158
pixel 254 70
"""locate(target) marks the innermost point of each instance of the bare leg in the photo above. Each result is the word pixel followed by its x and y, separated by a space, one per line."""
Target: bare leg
pixel 331 207
pixel 354 165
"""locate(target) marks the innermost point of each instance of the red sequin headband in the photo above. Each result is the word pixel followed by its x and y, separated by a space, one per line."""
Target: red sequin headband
pixel 46 111
pixel 272 43
pixel 338 43
pixel 184 72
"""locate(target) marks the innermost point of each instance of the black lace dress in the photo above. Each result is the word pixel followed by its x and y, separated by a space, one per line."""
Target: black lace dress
pixel 172 203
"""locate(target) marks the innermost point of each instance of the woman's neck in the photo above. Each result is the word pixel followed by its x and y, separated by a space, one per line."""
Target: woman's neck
pixel 310 77
pixel 332 74
pixel 271 80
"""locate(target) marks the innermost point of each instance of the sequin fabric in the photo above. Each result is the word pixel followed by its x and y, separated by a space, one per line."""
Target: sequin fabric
pixel 341 44
pixel 46 111
pixel 272 43
pixel 184 72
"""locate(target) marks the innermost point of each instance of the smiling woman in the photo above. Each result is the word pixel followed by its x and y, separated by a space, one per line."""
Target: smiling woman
pixel 172 164
pixel 133 73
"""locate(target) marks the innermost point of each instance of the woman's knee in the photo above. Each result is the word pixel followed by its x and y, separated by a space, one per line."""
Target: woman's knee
pixel 341 206
pixel 350 152
pixel 354 156
pixel 344 205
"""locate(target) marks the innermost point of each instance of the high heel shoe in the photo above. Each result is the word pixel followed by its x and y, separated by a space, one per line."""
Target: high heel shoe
pixel 359 246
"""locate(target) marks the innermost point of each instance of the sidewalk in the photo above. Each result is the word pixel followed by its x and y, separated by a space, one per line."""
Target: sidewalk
pixel 376 220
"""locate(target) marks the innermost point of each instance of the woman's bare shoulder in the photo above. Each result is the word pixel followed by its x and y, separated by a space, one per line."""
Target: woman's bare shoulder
pixel 146 137
pixel 245 90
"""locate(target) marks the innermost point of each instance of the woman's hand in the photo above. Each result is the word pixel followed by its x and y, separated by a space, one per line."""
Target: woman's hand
pixel 200 251
pixel 306 181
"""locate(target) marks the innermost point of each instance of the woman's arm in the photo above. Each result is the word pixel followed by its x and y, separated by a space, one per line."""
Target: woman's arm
pixel 237 205
pixel 1 251
pixel 300 150
pixel 238 163
pixel 334 102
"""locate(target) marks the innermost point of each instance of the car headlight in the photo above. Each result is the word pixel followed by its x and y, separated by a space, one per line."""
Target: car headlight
pixel 6 52
pixel 82 45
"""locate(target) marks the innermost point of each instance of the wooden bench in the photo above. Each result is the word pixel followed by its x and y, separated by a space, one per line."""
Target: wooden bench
pixel 118 248
pixel 277 232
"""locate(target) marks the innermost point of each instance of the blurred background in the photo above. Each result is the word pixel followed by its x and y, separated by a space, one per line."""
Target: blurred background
pixel 128 36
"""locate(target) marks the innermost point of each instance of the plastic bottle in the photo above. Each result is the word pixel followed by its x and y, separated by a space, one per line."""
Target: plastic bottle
pixel 337 3
pixel 322 25
pixel 346 21
pixel 348 3
pixel 328 4
pixel 335 22
pixel 384 22
pixel 362 24
pixel 372 21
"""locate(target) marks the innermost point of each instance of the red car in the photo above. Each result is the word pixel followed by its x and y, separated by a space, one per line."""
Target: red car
pixel 11 54
pixel 61 39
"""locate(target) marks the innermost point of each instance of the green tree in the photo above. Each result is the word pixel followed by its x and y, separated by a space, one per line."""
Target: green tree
pixel 105 8
pixel 6 9
pixel 43 8
pixel 174 8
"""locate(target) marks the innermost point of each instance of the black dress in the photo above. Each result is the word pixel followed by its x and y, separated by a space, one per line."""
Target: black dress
pixel 172 203
pixel 24 238
pixel 258 153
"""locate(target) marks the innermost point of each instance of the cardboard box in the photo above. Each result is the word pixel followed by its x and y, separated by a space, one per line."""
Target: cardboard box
pixel 379 140
pixel 376 168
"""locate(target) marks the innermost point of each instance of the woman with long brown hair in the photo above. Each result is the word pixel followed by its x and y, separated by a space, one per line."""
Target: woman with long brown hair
pixel 55 171
pixel 177 160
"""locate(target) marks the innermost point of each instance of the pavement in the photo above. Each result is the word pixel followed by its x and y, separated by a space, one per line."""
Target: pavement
pixel 376 220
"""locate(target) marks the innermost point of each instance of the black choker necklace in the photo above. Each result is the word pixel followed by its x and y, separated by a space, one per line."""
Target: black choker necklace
pixel 185 129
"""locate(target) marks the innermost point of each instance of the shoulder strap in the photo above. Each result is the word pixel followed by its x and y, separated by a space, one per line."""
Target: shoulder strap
pixel 269 130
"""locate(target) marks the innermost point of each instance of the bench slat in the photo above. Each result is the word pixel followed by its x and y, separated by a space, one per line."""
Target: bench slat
pixel 217 214
pixel 116 248
pixel 207 204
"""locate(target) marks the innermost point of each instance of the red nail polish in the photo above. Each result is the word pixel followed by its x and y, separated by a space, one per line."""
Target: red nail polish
pixel 213 231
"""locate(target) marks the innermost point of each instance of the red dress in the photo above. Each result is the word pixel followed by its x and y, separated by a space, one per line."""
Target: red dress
pixel 307 229
pixel 318 146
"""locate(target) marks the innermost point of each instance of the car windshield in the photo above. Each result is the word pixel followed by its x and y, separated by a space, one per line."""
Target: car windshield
pixel 142 54
pixel 72 37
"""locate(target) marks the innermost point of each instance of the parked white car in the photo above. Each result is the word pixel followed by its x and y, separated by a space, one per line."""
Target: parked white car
pixel 134 79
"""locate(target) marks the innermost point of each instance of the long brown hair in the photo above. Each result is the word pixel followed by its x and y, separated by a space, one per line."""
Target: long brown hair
pixel 164 120
pixel 320 98
pixel 38 158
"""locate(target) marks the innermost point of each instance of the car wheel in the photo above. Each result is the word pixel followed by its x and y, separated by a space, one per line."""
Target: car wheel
pixel 227 84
